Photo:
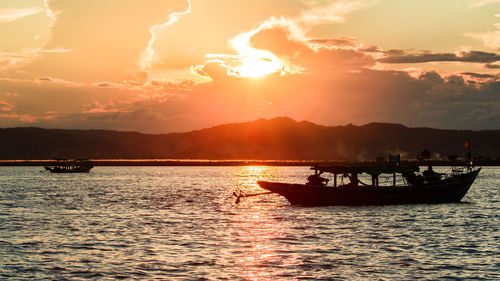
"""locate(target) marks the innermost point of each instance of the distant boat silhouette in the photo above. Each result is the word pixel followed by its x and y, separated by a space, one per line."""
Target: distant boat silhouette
pixel 429 188
pixel 70 166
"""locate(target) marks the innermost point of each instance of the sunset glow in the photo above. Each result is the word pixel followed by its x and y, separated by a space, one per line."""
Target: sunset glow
pixel 162 66
pixel 257 67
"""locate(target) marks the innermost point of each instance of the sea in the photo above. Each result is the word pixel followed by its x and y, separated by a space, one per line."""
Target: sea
pixel 182 223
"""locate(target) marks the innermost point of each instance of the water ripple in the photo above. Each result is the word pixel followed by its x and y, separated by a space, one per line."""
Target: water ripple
pixel 146 223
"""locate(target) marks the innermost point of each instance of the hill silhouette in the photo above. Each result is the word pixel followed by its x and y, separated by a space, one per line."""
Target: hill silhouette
pixel 276 139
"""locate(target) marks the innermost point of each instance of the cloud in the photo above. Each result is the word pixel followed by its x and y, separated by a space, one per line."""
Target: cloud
pixel 9 15
pixel 399 56
pixel 148 54
pixel 490 39
pixel 482 3
pixel 336 83
pixel 330 91
pixel 97 71
pixel 463 101
pixel 58 81
pixel 5 107
pixel 18 59
pixel 106 38
pixel 287 56
pixel 480 75
pixel 335 11
pixel 12 60
pixel 8 112
pixel 250 57
pixel 48 10
pixel 52 102
pixel 341 42
pixel 492 66
pixel 21 119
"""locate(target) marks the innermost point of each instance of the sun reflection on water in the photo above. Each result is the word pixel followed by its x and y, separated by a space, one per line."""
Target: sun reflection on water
pixel 258 249
pixel 246 178
pixel 258 231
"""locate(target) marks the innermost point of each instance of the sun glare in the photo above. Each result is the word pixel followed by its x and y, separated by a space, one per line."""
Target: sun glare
pixel 250 62
pixel 255 62
pixel 257 67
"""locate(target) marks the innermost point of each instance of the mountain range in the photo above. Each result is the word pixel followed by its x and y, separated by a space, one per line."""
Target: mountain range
pixel 265 139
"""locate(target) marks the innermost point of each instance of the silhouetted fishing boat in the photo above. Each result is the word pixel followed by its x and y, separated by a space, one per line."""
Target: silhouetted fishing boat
pixel 408 188
pixel 70 166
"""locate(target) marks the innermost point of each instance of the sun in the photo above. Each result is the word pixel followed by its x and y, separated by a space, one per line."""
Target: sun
pixel 254 67
pixel 254 63
pixel 249 62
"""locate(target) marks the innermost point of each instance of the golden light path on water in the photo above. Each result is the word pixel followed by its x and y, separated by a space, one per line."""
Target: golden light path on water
pixel 256 228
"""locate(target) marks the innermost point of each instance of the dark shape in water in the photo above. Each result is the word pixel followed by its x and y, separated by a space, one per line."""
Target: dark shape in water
pixel 429 188
pixel 70 166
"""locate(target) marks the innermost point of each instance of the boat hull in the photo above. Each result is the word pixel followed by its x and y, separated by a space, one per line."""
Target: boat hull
pixel 83 169
pixel 449 190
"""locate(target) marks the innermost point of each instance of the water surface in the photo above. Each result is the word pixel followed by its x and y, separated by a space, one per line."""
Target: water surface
pixel 167 223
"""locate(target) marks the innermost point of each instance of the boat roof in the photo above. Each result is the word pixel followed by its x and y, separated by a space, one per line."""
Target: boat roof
pixel 372 169
pixel 71 160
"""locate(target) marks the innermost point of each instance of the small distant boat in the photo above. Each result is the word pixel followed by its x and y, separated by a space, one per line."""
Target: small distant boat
pixel 70 166
pixel 410 188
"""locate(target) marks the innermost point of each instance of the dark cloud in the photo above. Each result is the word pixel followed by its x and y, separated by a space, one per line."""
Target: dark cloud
pixel 492 66
pixel 479 75
pixel 399 56
pixel 371 49
pixel 358 97
pixel 325 60
pixel 335 42
pixel 337 87
pixel 432 77
pixel 395 52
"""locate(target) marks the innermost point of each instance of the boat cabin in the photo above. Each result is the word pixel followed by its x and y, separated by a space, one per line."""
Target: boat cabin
pixel 353 171
pixel 70 166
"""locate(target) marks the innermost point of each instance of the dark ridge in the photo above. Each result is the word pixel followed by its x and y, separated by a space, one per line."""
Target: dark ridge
pixel 279 138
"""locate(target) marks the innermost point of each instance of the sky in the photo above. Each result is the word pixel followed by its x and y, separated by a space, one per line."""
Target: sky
pixel 179 65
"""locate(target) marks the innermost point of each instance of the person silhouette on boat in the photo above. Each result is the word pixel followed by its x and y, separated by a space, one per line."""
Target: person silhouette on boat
pixel 431 175
pixel 413 179
pixel 316 180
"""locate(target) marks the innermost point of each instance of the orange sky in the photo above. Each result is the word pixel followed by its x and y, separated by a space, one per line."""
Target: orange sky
pixel 161 66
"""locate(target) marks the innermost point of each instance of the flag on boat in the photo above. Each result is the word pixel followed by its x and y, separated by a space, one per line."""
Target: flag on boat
pixel 466 144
